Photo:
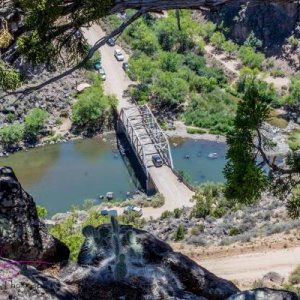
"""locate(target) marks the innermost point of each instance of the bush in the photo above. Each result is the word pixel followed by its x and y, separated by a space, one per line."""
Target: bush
pixel 234 231
pixel 230 47
pixel 179 233
pixel 195 130
pixel 41 211
pixel 294 277
pixel 207 29
pixel 294 141
pixel 11 135
pixel 277 73
pixel 168 90
pixel 217 40
pixel 92 107
pixel 158 201
pixel 34 122
pixel 294 91
pixel 197 229
pixel 250 58
pixel 166 214
pixel 214 110
pixel 253 41
pixel 177 213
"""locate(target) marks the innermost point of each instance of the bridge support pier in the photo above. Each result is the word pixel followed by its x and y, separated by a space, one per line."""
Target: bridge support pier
pixel 150 186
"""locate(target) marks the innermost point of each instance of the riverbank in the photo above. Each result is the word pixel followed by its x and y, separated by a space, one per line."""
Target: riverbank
pixel 181 131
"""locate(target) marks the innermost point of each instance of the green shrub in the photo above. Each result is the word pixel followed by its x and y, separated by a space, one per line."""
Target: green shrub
pixel 177 213
pixel 294 277
pixel 207 29
pixel 230 47
pixel 179 233
pixel 197 229
pixel 34 122
pixel 214 110
pixel 166 214
pixel 11 135
pixel 294 91
pixel 158 200
pixel 253 41
pixel 195 130
pixel 234 231
pixel 217 40
pixel 293 41
pixel 277 73
pixel 294 141
pixel 41 211
pixel 92 107
pixel 250 58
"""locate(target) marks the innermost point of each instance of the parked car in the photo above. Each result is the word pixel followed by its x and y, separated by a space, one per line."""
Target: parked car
pixel 125 66
pixel 119 55
pixel 111 42
pixel 133 208
pixel 110 212
pixel 102 74
pixel 97 65
pixel 157 161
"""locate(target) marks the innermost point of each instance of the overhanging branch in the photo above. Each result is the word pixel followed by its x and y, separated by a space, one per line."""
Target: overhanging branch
pixel 96 47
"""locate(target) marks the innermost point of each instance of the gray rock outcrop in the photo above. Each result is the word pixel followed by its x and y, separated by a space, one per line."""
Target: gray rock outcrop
pixel 22 235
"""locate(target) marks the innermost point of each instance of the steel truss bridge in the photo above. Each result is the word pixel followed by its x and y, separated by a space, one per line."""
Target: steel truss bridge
pixel 145 135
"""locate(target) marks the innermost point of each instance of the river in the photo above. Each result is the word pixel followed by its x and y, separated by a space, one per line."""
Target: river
pixel 64 175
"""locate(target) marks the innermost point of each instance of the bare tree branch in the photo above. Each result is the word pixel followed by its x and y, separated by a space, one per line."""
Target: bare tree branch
pixel 95 47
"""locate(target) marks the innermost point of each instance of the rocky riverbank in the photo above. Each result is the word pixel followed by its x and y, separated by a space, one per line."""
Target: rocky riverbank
pixel 115 261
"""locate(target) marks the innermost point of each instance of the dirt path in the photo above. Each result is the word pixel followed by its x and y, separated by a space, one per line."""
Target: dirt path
pixel 232 65
pixel 246 268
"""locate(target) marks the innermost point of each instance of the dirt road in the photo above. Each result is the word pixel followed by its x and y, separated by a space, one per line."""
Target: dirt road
pixel 246 268
pixel 117 80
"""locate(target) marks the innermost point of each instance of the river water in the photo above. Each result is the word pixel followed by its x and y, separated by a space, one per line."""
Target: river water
pixel 64 175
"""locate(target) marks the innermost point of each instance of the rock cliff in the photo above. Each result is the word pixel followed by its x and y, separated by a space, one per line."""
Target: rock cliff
pixel 271 22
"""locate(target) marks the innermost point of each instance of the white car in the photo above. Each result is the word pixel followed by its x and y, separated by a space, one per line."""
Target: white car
pixel 102 74
pixel 119 55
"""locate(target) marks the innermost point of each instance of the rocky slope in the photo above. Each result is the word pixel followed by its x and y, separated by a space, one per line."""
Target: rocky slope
pixel 115 262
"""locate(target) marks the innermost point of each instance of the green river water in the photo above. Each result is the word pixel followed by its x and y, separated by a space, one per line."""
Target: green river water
pixel 63 175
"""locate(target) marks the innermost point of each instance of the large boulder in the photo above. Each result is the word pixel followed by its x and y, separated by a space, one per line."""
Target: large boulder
pixel 158 273
pixel 264 294
pixel 22 235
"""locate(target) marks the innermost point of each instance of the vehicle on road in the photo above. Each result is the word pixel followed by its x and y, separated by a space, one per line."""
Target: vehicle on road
pixel 125 66
pixel 97 65
pixel 133 208
pixel 119 55
pixel 108 212
pixel 111 42
pixel 102 74
pixel 157 161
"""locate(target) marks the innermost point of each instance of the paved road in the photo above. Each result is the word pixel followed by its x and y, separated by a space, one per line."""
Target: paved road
pixel 176 193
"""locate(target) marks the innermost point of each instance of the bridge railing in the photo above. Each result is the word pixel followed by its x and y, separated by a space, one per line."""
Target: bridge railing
pixel 133 139
pixel 156 134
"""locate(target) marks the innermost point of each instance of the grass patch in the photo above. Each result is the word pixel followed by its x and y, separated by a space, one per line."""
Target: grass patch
pixel 195 130
pixel 277 120
pixel 294 141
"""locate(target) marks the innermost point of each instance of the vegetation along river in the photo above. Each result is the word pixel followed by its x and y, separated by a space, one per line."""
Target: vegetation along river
pixel 62 175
